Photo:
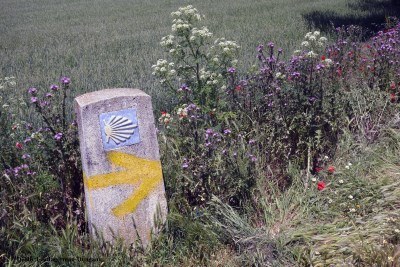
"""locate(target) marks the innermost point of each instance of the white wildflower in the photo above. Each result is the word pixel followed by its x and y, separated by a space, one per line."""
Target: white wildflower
pixel 311 54
pixel 305 44
pixel 323 39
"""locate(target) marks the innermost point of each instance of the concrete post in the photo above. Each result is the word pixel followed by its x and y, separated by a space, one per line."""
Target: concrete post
pixel 124 189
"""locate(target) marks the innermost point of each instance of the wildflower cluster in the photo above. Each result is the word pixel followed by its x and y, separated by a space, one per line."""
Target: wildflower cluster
pixel 54 144
pixel 296 109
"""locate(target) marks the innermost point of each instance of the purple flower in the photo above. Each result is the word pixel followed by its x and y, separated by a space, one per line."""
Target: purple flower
pixel 296 74
pixel 44 103
pixel 32 91
pixel 319 66
pixel 231 70
pixel 49 95
pixel 185 165
pixel 184 88
pixel 209 131
pixel 253 158
pixel 27 140
pixel 271 44
pixel 34 99
pixel 58 136
pixel 65 80
pixel 191 106
pixel 260 48
pixel 53 87
pixel 280 50
pixel 26 156
pixel 227 131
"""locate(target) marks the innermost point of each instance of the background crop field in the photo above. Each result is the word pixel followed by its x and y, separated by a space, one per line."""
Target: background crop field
pixel 107 43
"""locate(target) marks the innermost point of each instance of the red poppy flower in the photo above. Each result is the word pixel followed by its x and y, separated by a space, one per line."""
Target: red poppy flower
pixel 318 169
pixel 323 57
pixel 238 88
pixel 19 145
pixel 331 169
pixel 163 113
pixel 321 185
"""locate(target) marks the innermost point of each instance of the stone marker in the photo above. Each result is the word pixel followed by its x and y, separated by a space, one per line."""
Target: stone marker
pixel 124 189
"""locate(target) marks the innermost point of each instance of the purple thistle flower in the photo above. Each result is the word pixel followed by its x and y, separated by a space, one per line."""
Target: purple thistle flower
pixel 271 44
pixel 260 48
pixel 58 136
pixel 44 103
pixel 296 74
pixel 65 80
pixel 209 131
pixel 231 70
pixel 34 99
pixel 53 87
pixel 32 91
pixel 227 131
pixel 191 107
pixel 253 158
pixel 319 66
pixel 184 88
pixel 49 95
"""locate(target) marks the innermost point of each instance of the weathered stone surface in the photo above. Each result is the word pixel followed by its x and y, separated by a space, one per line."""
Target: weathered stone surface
pixel 121 163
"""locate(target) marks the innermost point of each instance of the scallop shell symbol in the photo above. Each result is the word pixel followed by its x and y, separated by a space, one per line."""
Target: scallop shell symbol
pixel 119 129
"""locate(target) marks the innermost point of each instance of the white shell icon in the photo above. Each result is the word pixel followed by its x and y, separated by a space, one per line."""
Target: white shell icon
pixel 119 129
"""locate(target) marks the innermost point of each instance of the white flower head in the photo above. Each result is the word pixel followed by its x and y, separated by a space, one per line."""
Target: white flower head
pixel 311 54
pixel 305 44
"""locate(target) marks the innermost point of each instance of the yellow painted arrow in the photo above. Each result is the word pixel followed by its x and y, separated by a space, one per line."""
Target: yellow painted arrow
pixel 144 173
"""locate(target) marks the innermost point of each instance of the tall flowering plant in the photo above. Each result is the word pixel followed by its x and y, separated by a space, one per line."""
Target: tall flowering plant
pixel 198 65
pixel 55 143
pixel 203 152
pixel 294 105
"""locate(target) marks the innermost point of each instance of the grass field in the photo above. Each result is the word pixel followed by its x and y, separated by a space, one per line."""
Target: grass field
pixel 104 43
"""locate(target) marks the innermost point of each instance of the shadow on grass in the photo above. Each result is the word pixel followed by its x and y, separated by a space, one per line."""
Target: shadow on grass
pixel 371 15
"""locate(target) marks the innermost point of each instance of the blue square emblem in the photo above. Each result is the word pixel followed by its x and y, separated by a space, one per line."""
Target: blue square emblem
pixel 119 128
